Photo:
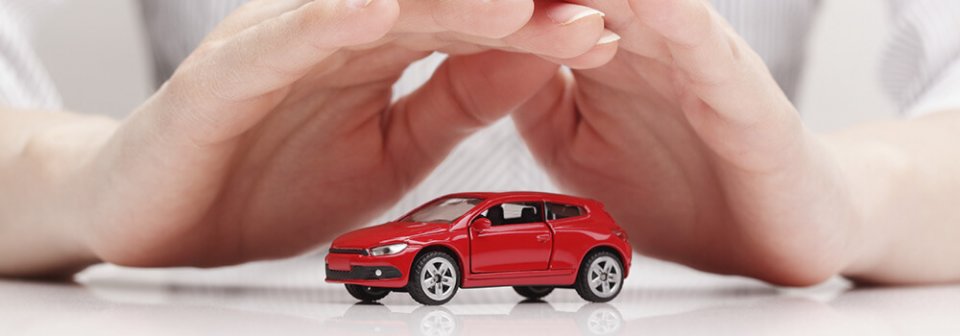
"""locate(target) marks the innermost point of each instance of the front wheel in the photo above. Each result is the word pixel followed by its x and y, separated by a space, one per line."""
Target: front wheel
pixel 533 292
pixel 600 277
pixel 367 293
pixel 434 278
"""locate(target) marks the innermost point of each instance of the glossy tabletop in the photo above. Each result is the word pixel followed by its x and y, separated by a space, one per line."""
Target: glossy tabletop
pixel 290 298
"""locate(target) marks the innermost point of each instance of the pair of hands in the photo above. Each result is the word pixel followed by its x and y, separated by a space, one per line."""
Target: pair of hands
pixel 279 132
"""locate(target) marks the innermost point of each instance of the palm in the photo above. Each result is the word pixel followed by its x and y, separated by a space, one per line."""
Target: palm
pixel 321 163
pixel 638 155
pixel 658 150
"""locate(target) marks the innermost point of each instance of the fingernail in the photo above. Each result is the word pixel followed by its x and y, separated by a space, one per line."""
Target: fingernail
pixel 358 4
pixel 569 14
pixel 608 37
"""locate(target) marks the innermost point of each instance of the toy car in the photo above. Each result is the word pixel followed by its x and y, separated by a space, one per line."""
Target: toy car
pixel 532 241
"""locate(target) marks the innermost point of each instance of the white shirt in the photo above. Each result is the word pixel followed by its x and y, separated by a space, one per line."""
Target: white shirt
pixel 920 71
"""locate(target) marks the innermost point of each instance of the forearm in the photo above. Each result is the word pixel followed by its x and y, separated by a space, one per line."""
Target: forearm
pixel 905 178
pixel 42 156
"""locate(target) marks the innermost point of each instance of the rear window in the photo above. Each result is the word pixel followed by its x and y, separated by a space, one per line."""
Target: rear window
pixel 557 211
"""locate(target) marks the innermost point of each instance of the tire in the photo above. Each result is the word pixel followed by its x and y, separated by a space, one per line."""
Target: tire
pixel 533 292
pixel 600 278
pixel 366 293
pixel 426 271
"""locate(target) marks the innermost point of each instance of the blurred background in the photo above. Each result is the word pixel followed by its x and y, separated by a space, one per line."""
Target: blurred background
pixel 96 53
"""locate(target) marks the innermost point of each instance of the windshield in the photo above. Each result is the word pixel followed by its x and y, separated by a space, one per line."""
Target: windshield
pixel 443 211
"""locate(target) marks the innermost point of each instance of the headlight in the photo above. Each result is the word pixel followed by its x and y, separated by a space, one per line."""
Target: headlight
pixel 388 249
pixel 622 235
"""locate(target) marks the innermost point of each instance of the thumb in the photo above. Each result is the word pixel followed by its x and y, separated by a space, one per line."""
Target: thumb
pixel 727 93
pixel 465 94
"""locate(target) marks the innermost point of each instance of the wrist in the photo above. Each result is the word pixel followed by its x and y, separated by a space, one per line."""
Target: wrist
pixel 54 173
pixel 873 171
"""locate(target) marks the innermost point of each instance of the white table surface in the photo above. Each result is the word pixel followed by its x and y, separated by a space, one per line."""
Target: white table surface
pixel 290 298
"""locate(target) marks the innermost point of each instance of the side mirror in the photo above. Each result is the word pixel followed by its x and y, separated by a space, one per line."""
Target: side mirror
pixel 481 224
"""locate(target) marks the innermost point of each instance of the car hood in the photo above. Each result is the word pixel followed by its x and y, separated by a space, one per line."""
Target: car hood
pixel 387 233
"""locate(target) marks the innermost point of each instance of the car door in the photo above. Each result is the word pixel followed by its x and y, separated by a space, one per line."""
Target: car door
pixel 572 233
pixel 518 239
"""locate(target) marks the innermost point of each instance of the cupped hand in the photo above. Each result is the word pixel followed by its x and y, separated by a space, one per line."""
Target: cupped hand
pixel 280 130
pixel 690 143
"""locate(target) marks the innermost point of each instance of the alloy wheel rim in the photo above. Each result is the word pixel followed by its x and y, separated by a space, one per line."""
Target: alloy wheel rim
pixel 603 322
pixel 604 276
pixel 438 278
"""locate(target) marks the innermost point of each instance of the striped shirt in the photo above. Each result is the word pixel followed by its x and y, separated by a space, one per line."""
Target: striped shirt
pixel 920 71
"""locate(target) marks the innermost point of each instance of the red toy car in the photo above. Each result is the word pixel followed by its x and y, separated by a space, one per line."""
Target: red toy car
pixel 533 241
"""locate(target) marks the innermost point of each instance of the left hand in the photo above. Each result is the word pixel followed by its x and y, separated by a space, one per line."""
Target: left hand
pixel 280 131
pixel 690 143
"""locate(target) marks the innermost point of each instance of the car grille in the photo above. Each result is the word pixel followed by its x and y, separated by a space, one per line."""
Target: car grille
pixel 348 251
pixel 364 273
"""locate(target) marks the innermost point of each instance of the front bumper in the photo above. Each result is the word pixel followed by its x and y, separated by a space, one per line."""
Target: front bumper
pixel 364 273
pixel 351 267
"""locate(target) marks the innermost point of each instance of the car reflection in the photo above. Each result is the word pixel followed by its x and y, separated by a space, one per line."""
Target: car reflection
pixel 525 318
pixel 115 306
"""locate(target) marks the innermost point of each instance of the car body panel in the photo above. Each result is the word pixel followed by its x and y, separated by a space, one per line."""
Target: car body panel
pixel 511 248
pixel 545 253
pixel 388 233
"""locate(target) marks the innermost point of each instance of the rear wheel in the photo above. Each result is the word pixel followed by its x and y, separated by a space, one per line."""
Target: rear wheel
pixel 533 292
pixel 367 293
pixel 434 279
pixel 600 278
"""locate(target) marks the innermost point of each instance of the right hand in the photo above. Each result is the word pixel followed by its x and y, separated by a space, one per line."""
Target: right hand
pixel 279 131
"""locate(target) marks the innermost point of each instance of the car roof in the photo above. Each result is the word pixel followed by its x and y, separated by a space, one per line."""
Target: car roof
pixel 524 194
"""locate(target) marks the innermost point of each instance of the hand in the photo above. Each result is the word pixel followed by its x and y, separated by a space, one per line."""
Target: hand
pixel 279 131
pixel 690 143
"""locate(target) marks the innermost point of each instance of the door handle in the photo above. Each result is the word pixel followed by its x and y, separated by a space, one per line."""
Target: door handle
pixel 543 238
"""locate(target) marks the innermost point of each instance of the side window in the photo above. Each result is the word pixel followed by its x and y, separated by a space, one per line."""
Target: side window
pixel 557 211
pixel 514 213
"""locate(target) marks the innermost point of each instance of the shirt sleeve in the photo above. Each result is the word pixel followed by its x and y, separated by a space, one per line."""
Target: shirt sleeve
pixel 920 68
pixel 24 83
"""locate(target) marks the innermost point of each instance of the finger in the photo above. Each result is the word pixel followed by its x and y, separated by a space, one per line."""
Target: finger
pixel 465 94
pixel 485 18
pixel 638 38
pixel 250 14
pixel 717 64
pixel 601 53
pixel 221 91
pixel 548 120
pixel 559 30
pixel 727 92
